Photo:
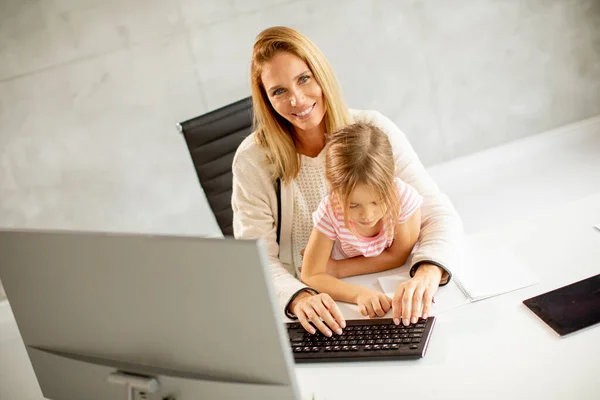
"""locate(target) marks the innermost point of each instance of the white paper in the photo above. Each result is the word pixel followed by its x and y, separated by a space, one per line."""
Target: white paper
pixel 483 271
pixel 490 271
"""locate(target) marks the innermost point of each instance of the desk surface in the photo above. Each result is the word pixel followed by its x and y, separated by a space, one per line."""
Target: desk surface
pixel 497 348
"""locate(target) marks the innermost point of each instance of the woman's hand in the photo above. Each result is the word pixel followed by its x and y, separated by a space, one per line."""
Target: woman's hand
pixel 373 304
pixel 413 297
pixel 321 310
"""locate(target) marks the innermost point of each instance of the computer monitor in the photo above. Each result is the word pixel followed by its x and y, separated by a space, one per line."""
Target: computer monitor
pixel 104 316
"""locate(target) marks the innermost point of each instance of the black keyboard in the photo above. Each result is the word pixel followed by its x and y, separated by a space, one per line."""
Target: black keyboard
pixel 362 340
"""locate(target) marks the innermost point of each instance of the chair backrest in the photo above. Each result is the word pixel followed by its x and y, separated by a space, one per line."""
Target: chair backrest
pixel 212 140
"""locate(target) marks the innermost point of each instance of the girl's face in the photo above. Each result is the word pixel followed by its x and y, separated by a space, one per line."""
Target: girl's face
pixel 365 208
pixel 293 91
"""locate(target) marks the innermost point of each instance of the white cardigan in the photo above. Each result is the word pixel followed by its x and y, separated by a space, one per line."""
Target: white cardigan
pixel 254 203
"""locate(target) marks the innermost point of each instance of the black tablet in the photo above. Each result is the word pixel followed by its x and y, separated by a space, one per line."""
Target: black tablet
pixel 569 308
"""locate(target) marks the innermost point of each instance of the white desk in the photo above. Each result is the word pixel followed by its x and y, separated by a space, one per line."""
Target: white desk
pixel 496 348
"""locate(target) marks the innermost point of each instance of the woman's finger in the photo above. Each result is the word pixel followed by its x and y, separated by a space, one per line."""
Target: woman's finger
pixel 427 300
pixel 397 305
pixel 324 315
pixel 304 321
pixel 407 305
pixel 313 317
pixel 334 310
pixel 417 306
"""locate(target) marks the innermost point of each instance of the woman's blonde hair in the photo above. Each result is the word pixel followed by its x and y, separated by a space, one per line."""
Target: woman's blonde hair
pixel 273 132
pixel 362 154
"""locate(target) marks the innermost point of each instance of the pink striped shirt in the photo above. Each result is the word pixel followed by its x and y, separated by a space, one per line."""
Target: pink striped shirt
pixel 330 222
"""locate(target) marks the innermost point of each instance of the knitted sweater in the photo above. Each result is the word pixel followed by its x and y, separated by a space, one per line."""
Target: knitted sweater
pixel 254 203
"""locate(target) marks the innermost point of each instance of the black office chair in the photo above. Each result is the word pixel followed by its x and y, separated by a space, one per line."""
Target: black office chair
pixel 212 140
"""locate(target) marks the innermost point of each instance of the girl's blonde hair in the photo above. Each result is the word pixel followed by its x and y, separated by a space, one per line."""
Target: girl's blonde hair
pixel 273 132
pixel 362 154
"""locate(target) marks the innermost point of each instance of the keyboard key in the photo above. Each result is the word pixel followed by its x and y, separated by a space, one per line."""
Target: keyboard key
pixel 314 349
pixel 376 347
pixel 297 349
pixel 345 348
pixel 415 335
pixel 419 330
pixel 368 347
pixel 329 348
pixel 337 348
pixel 385 347
pixel 415 340
pixel 394 346
pixel 306 349
pixel 406 340
pixel 414 346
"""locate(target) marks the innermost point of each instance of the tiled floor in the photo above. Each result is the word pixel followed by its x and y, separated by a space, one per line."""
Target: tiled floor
pixel 495 186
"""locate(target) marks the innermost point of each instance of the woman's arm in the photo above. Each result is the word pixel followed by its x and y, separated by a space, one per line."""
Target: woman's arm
pixel 314 270
pixel 405 237
pixel 254 204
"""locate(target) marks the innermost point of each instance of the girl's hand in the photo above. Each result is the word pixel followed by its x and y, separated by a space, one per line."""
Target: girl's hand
pixel 373 304
pixel 413 297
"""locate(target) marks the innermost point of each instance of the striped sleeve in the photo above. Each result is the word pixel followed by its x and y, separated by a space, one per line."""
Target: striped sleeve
pixel 410 200
pixel 322 219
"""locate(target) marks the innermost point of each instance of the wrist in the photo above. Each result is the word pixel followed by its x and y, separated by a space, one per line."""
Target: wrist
pixel 360 291
pixel 301 296
pixel 430 270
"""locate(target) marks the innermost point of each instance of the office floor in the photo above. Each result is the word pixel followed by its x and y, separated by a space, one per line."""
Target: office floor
pixel 494 186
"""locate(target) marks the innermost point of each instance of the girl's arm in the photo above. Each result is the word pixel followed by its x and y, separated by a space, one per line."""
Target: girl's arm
pixel 405 237
pixel 314 271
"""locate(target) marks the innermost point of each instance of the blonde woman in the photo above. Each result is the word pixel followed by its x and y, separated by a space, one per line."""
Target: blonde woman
pixel 296 102
pixel 369 212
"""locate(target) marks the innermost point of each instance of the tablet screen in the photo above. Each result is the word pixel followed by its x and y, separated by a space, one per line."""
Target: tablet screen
pixel 569 308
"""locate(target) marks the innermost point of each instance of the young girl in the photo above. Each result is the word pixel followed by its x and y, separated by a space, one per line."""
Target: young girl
pixel 367 213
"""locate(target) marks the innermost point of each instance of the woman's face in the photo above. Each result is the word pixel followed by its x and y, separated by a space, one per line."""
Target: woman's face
pixel 293 91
